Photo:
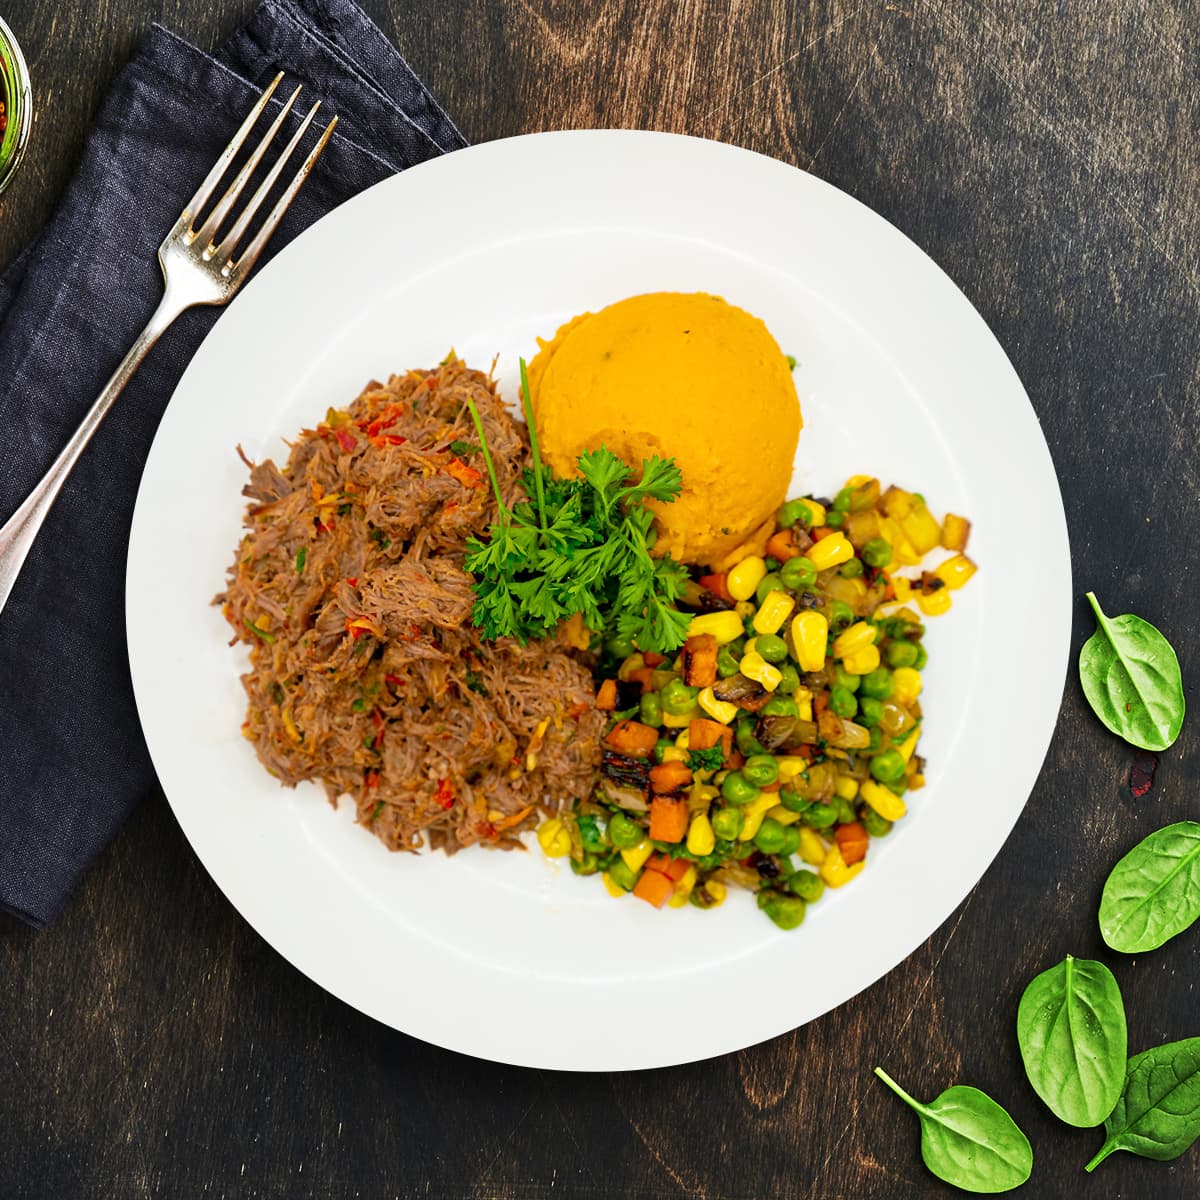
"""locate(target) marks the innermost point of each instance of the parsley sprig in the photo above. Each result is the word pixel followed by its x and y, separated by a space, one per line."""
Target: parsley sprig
pixel 578 546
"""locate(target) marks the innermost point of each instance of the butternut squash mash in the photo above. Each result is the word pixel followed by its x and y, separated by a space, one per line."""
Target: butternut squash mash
pixel 687 376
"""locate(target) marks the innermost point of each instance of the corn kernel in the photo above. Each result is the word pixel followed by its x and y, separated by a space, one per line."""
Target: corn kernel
pixel 775 610
pixel 810 636
pixel 612 886
pixel 753 813
pixel 635 856
pixel 916 782
pixel 812 849
pixel 635 662
pixel 909 744
pixel 700 837
pixel 830 551
pixel 701 796
pixel 862 662
pixel 683 889
pixel 553 838
pixel 678 720
pixel 846 786
pixel 954 572
pixel 755 667
pixel 674 754
pixel 716 892
pixel 858 480
pixel 934 604
pixel 886 803
pixel 683 741
pixel 745 609
pixel 902 586
pixel 743 579
pixel 804 708
pixel 719 710
pixel 859 636
pixel 817 509
pixel 791 768
pixel 724 626
pixel 906 685
pixel 751 647
pixel 784 816
pixel 834 870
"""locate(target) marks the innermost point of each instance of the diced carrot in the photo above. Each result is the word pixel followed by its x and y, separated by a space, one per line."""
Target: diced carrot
pixel 644 676
pixel 822 531
pixel 771 787
pixel 852 842
pixel 704 735
pixel 781 545
pixel 670 777
pixel 673 868
pixel 718 585
pixel 653 660
pixel 632 737
pixel 606 697
pixel 654 888
pixel 700 660
pixel 735 760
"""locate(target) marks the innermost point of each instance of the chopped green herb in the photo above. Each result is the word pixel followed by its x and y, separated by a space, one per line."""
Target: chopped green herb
pixel 301 559
pixel 464 448
pixel 712 759
pixel 791 362
pixel 476 684
pixel 378 810
pixel 261 634
pixel 358 705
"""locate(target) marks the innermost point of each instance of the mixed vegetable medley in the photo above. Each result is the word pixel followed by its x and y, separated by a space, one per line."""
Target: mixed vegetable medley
pixel 781 737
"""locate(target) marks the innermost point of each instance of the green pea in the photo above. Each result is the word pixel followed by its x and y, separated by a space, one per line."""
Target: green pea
pixel 772 647
pixel 897 786
pixel 786 911
pixel 888 766
pixel 768 584
pixel 791 840
pixel 619 647
pixel 870 711
pixel 591 834
pixel 737 789
pixel 772 564
pixel 922 658
pixel 808 885
pixel 761 770
pixel 792 512
pixel 727 663
pixel 852 568
pixel 841 502
pixel 902 654
pixel 843 702
pixel 624 833
pixel 840 615
pixel 874 824
pixel 677 698
pixel 727 823
pixel 780 706
pixel 793 801
pixel 845 810
pixel 846 679
pixel 835 518
pixel 589 864
pixel 798 573
pixel 649 709
pixel 789 679
pixel 820 816
pixel 770 836
pixel 878 684
pixel 877 552
pixel 743 736
pixel 660 747
pixel 622 874
pixel 876 739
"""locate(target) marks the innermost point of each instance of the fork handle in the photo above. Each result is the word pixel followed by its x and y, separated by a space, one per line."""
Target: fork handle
pixel 18 533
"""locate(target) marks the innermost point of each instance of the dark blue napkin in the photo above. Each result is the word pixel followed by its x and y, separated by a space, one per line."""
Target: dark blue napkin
pixel 72 759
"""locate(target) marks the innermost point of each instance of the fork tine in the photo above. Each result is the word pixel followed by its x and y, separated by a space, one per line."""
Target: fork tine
pixel 248 257
pixel 221 165
pixel 208 230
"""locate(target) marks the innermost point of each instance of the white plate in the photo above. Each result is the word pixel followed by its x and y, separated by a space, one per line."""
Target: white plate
pixel 506 956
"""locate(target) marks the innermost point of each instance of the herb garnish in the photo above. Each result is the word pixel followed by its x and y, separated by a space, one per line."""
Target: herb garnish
pixel 712 759
pixel 578 546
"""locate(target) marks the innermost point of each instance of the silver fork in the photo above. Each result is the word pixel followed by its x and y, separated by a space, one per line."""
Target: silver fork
pixel 195 271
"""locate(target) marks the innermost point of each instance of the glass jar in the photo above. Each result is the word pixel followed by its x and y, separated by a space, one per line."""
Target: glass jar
pixel 18 104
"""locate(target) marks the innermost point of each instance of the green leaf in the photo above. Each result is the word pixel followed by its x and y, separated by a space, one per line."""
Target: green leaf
pixel 461 448
pixel 1071 1031
pixel 301 559
pixel 1131 678
pixel 1158 1113
pixel 1153 893
pixel 603 469
pixel 968 1140
pixel 661 480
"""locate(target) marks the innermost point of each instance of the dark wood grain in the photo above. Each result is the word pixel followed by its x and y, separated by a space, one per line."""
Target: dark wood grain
pixel 1044 154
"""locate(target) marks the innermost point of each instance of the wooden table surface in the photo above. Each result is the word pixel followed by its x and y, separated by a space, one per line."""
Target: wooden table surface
pixel 151 1044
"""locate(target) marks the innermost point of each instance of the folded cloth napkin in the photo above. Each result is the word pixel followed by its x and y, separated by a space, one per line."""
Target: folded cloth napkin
pixel 72 759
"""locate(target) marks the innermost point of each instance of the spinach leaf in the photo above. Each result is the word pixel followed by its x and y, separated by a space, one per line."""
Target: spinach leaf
pixel 1131 678
pixel 1071 1030
pixel 1158 1114
pixel 968 1140
pixel 1153 893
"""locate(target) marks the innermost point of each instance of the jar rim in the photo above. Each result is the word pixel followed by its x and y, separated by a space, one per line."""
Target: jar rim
pixel 18 98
